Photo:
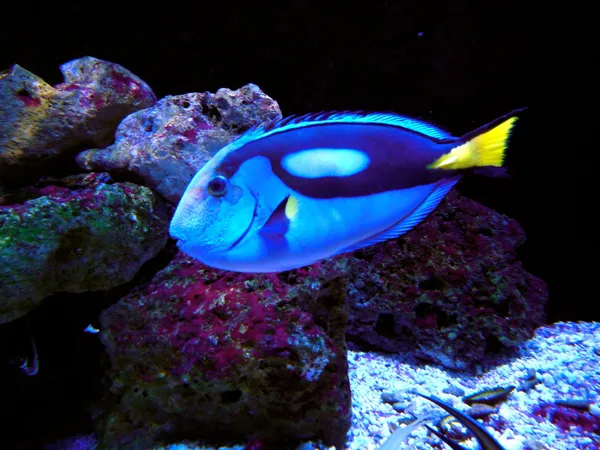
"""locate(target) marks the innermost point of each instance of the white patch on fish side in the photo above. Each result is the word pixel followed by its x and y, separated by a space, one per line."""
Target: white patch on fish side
pixel 325 162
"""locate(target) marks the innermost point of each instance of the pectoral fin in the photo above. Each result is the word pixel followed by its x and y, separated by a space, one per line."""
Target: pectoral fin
pixel 279 222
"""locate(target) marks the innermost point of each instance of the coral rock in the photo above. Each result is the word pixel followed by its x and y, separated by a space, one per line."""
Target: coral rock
pixel 39 122
pixel 78 234
pixel 164 146
pixel 217 356
pixel 452 290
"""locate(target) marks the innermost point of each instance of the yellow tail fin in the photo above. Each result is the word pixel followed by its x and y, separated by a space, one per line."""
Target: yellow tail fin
pixel 484 149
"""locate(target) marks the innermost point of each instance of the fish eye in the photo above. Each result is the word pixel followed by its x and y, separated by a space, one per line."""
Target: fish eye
pixel 217 186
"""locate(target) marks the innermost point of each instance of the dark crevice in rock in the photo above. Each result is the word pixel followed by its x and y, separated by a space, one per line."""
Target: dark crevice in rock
pixel 385 325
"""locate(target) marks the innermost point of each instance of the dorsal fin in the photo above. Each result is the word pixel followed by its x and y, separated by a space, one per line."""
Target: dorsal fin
pixel 298 121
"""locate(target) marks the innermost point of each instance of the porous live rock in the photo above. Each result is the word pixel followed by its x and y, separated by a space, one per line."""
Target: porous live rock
pixel 451 290
pixel 221 356
pixel 164 146
pixel 40 122
pixel 77 234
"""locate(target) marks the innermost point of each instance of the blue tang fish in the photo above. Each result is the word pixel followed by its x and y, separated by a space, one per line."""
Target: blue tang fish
pixel 294 191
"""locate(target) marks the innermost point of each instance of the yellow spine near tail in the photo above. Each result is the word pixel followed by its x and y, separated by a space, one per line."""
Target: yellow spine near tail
pixel 486 149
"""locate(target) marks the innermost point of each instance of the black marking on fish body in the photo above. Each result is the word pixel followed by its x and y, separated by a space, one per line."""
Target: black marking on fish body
pixel 398 158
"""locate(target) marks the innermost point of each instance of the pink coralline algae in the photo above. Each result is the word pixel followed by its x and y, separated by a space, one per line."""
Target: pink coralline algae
pixel 567 418
pixel 164 146
pixel 216 355
pixel 39 123
pixel 76 234
pixel 199 347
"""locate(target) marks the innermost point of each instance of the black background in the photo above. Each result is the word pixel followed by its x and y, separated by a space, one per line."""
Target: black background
pixel 457 64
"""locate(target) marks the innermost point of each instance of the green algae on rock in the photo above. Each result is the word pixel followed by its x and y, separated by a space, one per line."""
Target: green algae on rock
pixel 93 237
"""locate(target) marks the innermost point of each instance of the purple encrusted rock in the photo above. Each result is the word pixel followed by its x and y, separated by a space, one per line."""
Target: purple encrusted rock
pixel 76 234
pixel 217 356
pixel 39 122
pixel 164 146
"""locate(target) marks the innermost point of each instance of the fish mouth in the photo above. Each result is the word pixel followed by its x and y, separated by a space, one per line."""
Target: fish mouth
pixel 245 233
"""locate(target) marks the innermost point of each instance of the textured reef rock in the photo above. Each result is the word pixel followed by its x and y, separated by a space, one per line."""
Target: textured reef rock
pixel 452 290
pixel 39 122
pixel 77 234
pixel 203 353
pixel 164 146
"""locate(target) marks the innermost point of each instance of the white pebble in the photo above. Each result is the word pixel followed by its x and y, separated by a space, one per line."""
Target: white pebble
pixel 595 409
pixel 548 379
